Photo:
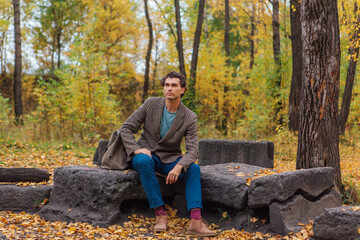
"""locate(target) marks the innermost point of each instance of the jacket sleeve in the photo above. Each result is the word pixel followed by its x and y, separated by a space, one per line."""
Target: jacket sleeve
pixel 192 150
pixel 132 126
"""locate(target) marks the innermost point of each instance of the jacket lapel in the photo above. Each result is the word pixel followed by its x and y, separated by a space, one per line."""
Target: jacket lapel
pixel 158 111
pixel 178 121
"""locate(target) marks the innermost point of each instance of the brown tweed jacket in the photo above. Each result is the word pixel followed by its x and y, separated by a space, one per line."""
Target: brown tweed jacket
pixel 167 148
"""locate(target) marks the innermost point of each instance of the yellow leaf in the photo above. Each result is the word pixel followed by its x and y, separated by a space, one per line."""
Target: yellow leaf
pixel 359 230
pixel 224 214
pixel 254 219
pixel 71 230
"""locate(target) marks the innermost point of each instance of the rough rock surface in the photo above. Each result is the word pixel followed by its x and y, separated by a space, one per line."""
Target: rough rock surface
pixel 285 216
pixel 94 195
pixel 219 185
pixel 215 151
pixel 310 183
pixel 16 198
pixel 337 223
pixel 100 150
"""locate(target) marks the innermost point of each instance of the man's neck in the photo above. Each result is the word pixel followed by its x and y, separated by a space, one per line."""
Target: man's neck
pixel 172 105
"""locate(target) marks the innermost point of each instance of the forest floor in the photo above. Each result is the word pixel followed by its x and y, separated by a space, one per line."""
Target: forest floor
pixel 31 226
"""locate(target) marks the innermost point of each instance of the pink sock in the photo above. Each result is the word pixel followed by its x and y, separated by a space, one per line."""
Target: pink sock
pixel 159 211
pixel 195 214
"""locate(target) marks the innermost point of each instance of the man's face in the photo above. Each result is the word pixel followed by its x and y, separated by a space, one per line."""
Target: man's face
pixel 173 89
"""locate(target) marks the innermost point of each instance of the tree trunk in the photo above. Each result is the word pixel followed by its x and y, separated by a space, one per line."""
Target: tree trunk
pixel 17 70
pixel 24 175
pixel 277 59
pixel 195 53
pixel 179 42
pixel 148 54
pixel 227 32
pixel 225 119
pixel 318 140
pixel 252 36
pixel 295 89
pixel 350 76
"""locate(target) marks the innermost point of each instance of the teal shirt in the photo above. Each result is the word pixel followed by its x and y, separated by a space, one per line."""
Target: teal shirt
pixel 166 121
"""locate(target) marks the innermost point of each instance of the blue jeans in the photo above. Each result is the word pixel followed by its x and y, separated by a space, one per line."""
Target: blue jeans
pixel 146 167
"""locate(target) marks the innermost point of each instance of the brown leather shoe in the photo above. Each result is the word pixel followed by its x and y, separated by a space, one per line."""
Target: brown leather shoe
pixel 199 228
pixel 161 224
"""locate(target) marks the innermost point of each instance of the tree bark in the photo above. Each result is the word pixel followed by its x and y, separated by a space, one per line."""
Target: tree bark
pixel 318 139
pixel 179 41
pixel 24 175
pixel 350 76
pixel 17 70
pixel 148 54
pixel 252 36
pixel 295 89
pixel 224 121
pixel 195 53
pixel 277 59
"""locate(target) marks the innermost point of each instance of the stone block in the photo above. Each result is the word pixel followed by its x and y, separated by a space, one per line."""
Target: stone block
pixel 338 223
pixel 100 150
pixel 258 153
pixel 221 183
pixel 310 183
pixel 16 198
pixel 94 195
pixel 286 216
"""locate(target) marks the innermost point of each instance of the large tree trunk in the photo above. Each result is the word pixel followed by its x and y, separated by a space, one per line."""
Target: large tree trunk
pixel 148 54
pixel 179 42
pixel 24 175
pixel 350 76
pixel 295 89
pixel 17 70
pixel 277 59
pixel 318 143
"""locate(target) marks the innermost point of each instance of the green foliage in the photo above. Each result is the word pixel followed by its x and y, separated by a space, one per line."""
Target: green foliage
pixel 6 118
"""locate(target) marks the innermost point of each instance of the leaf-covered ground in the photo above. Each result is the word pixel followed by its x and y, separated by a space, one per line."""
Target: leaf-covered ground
pixel 31 226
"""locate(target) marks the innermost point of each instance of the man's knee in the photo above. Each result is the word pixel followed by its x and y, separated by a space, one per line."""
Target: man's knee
pixel 141 161
pixel 194 168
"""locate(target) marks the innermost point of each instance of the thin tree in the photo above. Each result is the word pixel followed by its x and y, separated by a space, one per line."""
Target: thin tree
pixel 224 122
pixel 179 42
pixel 318 140
pixel 17 69
pixel 252 35
pixel 276 86
pixel 295 89
pixel 195 53
pixel 350 76
pixel 148 53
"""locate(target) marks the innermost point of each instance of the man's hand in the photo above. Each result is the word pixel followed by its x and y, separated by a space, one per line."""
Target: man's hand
pixel 142 150
pixel 173 175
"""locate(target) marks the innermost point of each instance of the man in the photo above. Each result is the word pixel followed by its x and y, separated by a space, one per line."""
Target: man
pixel 165 122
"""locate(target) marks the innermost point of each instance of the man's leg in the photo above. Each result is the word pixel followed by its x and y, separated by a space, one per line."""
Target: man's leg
pixel 145 166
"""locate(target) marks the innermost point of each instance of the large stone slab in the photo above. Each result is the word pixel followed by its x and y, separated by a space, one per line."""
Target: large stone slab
pixel 338 223
pixel 215 151
pixel 16 198
pixel 226 183
pixel 286 216
pixel 310 183
pixel 94 195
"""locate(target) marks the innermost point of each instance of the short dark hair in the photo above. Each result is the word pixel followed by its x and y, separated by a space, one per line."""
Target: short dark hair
pixel 178 75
